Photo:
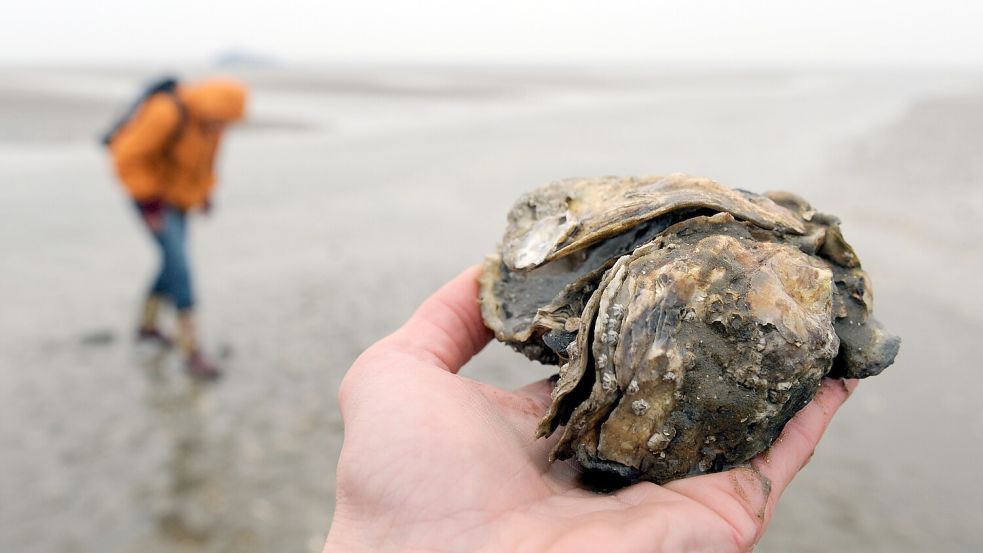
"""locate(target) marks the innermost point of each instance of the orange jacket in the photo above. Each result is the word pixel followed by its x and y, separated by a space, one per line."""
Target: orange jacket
pixel 161 154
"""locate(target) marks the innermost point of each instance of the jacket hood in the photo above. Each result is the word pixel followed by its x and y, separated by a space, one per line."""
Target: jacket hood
pixel 220 98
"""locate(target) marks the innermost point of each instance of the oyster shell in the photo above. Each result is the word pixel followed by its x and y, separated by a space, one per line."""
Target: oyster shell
pixel 690 321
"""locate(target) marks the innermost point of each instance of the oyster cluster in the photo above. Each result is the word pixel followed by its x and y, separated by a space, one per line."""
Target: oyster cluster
pixel 689 321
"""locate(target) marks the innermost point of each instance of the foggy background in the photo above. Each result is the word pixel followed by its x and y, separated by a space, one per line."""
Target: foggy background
pixel 386 142
pixel 790 32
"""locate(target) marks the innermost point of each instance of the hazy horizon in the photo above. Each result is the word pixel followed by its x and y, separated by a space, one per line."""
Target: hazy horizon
pixel 503 32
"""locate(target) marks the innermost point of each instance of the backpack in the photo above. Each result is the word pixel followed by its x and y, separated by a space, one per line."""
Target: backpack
pixel 166 85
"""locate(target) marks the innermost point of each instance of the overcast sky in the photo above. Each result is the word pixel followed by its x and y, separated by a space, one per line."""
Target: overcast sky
pixel 947 32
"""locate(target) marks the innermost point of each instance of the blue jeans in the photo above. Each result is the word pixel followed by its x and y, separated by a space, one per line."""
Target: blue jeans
pixel 174 279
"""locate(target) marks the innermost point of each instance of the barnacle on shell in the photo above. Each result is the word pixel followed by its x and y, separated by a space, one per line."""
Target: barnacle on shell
pixel 692 320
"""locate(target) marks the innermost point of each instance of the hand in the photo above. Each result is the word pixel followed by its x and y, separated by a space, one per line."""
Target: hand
pixel 206 206
pixel 435 461
pixel 152 212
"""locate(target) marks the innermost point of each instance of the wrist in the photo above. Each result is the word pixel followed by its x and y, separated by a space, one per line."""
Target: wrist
pixel 344 541
pixel 349 535
pixel 346 535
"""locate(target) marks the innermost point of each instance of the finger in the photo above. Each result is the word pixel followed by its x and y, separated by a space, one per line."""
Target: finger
pixel 539 390
pixel 523 409
pixel 525 405
pixel 746 496
pixel 447 328
pixel 533 400
pixel 798 440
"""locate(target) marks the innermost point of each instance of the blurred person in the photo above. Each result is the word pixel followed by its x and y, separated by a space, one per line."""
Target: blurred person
pixel 164 155
pixel 435 461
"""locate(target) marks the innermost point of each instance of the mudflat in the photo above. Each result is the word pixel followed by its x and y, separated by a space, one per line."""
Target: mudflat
pixel 355 192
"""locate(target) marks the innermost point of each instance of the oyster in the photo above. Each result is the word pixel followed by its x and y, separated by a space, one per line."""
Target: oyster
pixel 689 321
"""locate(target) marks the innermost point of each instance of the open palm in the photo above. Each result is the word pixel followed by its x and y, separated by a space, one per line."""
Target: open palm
pixel 433 461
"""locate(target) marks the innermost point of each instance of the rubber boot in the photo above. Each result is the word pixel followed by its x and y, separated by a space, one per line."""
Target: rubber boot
pixel 197 366
pixel 148 330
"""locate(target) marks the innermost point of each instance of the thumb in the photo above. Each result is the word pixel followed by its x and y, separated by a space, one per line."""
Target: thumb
pixel 447 328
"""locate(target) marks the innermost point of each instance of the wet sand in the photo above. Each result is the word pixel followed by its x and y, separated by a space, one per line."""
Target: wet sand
pixel 356 192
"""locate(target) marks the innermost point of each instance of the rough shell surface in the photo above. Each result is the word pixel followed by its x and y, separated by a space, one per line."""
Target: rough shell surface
pixel 691 321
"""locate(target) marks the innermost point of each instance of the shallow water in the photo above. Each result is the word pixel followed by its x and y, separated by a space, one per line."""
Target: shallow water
pixel 354 193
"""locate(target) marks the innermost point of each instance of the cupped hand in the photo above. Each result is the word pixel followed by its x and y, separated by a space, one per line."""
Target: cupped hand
pixel 433 461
